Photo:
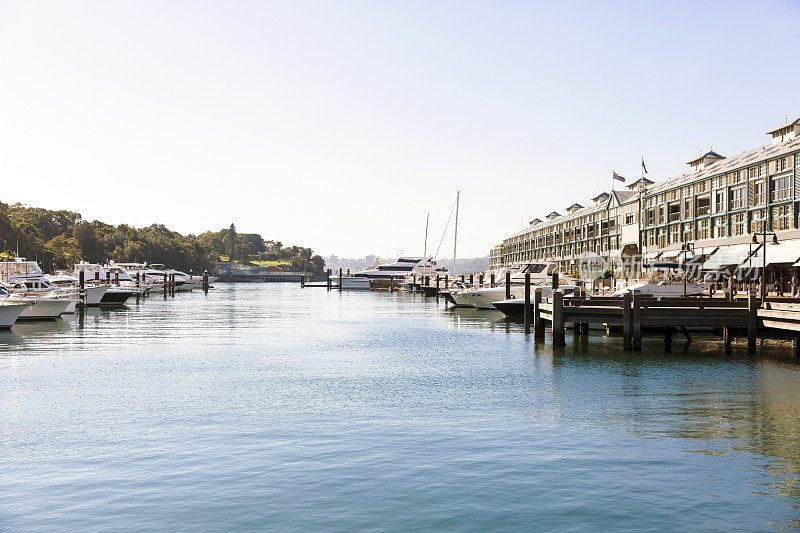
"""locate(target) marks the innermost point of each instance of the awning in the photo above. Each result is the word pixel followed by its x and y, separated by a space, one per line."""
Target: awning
pixel 727 256
pixel 783 253
pixel 649 256
pixel 669 255
pixel 698 255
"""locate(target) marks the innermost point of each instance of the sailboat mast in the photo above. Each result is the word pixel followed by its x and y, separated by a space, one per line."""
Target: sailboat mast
pixel 455 237
pixel 427 219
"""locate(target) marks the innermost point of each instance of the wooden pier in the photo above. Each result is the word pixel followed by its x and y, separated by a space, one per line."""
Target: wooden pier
pixel 635 315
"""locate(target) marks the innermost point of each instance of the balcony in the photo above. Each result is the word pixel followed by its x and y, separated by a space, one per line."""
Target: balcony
pixel 703 210
pixel 781 194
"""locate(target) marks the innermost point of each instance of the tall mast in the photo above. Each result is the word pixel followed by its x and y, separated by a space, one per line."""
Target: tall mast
pixel 427 219
pixel 455 237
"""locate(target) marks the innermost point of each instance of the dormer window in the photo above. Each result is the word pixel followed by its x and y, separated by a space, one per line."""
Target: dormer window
pixel 784 132
pixel 705 160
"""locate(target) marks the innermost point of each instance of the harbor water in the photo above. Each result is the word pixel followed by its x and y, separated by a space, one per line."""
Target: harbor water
pixel 270 407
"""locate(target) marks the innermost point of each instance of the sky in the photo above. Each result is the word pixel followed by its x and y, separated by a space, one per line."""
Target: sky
pixel 341 125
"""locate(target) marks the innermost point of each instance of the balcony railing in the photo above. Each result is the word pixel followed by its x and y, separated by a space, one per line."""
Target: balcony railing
pixel 780 194
pixel 704 210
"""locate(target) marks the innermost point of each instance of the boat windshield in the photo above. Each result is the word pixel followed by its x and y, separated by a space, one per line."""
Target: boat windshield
pixel 19 268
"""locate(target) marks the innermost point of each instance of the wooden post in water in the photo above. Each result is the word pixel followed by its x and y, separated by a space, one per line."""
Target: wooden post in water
pixel 437 284
pixel 752 316
pixel 508 285
pixel 116 278
pixel 636 318
pixel 668 338
pixel 463 279
pixel 340 278
pixel 205 280
pixel 446 282
pixel 538 323
pixel 480 279
pixel 726 339
pixel 470 280
pixel 302 281
pixel 555 281
pixel 491 279
pixel 328 279
pixel 526 312
pixel 557 326
pixel 413 282
pixel 391 283
pixel 166 285
pixel 627 322
pixel 137 279
pixel 81 285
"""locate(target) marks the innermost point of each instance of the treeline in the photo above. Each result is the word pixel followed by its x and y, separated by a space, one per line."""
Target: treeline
pixel 59 239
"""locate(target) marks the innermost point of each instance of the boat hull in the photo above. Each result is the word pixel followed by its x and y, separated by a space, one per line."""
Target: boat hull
pixel 9 313
pixel 45 309
pixel 115 297
pixel 94 294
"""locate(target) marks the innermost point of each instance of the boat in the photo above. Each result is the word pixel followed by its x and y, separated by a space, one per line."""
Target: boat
pixel 10 311
pixel 24 280
pixel 666 289
pixel 39 305
pixel 115 275
pixel 93 292
pixel 515 307
pixel 396 272
pixel 540 273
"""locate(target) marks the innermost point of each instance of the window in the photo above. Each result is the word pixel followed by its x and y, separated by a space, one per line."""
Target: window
pixel 782 217
pixel 737 224
pixel 738 198
pixel 703 205
pixel 674 212
pixel 759 193
pixel 780 189
pixel 719 227
pixel 629 218
pixel 719 202
pixel 702 229
pixel 757 220
pixel 675 233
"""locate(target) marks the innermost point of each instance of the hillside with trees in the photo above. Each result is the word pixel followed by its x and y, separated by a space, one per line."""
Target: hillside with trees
pixel 59 239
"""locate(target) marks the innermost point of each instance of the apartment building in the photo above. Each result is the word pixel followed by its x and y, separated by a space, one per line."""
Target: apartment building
pixel 710 213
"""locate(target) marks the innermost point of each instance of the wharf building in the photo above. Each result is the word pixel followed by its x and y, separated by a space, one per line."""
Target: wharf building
pixel 718 214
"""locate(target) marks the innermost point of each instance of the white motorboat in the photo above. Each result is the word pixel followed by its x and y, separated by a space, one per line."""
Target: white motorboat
pixel 93 292
pixel 23 278
pixel 666 289
pixel 9 312
pixel 115 275
pixel 39 305
pixel 484 297
pixel 398 271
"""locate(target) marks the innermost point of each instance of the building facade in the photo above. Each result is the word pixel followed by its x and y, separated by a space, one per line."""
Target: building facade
pixel 719 202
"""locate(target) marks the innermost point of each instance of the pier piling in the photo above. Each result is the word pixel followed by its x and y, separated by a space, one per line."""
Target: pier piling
pixel 340 278
pixel 538 322
pixel 328 279
pixel 558 319
pixel 627 322
pixel 508 285
pixel 491 279
pixel 526 313
pixel 752 316
pixel 636 320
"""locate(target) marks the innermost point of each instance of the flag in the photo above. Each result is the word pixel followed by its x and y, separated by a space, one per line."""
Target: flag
pixel 618 177
pixel 644 168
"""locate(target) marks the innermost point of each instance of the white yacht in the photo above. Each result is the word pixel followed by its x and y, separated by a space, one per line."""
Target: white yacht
pixel 482 298
pixel 24 282
pixel 94 291
pixel 123 286
pixel 397 271
pixel 667 289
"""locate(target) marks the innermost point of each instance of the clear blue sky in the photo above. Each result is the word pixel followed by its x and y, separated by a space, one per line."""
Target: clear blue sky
pixel 339 125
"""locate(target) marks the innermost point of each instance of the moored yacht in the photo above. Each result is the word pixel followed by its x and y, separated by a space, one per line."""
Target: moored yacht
pixel 24 279
pixel 10 311
pixel 484 297
pixel 93 292
pixel 396 271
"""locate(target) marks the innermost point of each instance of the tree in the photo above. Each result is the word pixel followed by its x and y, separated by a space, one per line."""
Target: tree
pixel 230 242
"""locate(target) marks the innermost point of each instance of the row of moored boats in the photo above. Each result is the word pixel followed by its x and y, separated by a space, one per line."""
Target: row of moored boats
pixel 27 293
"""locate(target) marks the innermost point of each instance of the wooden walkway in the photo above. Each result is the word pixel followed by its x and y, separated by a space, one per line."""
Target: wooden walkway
pixel 634 313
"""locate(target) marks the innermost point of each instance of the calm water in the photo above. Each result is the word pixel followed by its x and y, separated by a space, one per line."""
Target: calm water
pixel 270 407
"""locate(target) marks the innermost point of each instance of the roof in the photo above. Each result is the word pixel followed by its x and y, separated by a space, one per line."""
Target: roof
pixel 750 157
pixel 574 207
pixel 712 154
pixel 553 214
pixel 795 122
pixel 644 181
pixel 601 195
pixel 624 195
